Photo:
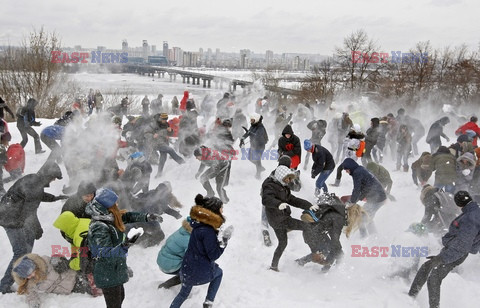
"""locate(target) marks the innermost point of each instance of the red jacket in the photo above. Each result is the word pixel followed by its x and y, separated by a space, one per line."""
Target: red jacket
pixel 469 126
pixel 183 102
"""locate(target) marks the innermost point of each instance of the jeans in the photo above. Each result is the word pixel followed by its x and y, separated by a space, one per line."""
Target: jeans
pixel 211 293
pixel 30 131
pixel 320 183
pixel 22 240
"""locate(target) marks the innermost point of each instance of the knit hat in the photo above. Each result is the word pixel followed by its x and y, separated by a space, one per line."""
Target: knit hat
pixel 86 188
pixel 281 172
pixel 418 228
pixel 307 145
pixel 462 198
pixel 285 160
pixel 106 197
pixel 25 268
pixel 164 116
pixel 210 203
pixel 255 117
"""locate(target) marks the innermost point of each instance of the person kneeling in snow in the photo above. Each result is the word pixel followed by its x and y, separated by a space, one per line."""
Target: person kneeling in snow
pixel 327 224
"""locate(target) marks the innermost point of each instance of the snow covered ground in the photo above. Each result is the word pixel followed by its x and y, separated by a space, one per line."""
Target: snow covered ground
pixel 247 282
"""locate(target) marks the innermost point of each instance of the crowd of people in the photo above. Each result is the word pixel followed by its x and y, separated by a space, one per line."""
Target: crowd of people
pixel 105 205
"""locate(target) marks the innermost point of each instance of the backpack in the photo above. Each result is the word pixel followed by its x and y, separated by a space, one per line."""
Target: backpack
pixel 15 158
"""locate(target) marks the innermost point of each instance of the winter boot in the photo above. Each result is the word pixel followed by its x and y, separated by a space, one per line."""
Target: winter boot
pixel 170 282
pixel 405 168
pixel 207 304
pixel 317 193
pixel 266 238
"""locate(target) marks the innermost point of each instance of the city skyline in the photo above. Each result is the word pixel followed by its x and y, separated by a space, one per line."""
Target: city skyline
pixel 308 27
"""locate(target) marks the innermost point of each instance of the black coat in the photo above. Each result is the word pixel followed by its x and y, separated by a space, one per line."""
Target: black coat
pixel 289 146
pixel 322 160
pixel 18 207
pixel 273 194
pixel 324 235
pixel 258 135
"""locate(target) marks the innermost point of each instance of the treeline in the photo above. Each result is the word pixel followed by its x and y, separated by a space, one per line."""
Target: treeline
pixel 423 74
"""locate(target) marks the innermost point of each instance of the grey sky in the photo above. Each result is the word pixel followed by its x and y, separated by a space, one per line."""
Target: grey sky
pixel 304 26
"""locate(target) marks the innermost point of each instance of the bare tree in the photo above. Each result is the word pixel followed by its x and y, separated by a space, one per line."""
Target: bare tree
pixel 321 83
pixel 356 56
pixel 29 72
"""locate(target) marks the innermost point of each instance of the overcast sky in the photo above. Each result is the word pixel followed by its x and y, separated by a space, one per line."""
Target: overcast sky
pixel 303 26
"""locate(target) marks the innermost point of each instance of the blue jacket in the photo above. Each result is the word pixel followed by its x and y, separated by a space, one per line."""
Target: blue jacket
pixel 463 236
pixel 203 249
pixel 54 131
pixel 171 254
pixel 365 184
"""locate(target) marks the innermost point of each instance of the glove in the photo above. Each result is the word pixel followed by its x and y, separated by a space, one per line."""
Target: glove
pixel 466 172
pixel 197 175
pixel 154 217
pixel 282 206
pixel 319 258
pixel 226 235
pixel 314 208
pixel 242 142
pixel 61 197
pixel 435 261
pixel 59 264
pixel 348 204
pixel 36 123
pixel 130 241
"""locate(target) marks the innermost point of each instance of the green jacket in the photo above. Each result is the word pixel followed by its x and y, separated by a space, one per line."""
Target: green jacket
pixel 444 165
pixel 73 226
pixel 381 174
pixel 105 244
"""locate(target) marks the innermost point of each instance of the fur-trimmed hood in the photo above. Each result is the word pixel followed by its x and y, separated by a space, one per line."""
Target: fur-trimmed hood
pixel 40 263
pixel 199 214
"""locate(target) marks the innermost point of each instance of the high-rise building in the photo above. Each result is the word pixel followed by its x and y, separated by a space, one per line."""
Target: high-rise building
pixel 154 50
pixel 165 48
pixel 178 56
pixel 145 49
pixel 269 58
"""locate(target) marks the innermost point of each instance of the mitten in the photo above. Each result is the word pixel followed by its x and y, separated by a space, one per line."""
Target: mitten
pixel 282 206
pixel 154 217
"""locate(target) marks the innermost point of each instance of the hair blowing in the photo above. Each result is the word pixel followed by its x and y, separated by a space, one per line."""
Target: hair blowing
pixel 356 214
pixel 117 215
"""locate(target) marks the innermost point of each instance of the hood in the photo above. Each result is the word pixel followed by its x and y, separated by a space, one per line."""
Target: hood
pixel 443 150
pixel 39 262
pixel 32 103
pixel 373 167
pixel 67 222
pixel 444 120
pixel 350 164
pixel 199 214
pixel 375 122
pixel 186 225
pixel 287 130
pixel 469 157
pixel 256 117
pixel 281 172
pixel 98 211
pixel 185 94
pixel 49 171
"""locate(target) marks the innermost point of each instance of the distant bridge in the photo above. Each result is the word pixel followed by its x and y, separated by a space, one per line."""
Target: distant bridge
pixel 207 79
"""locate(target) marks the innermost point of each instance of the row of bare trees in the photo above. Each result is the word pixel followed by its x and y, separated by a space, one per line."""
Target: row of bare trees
pixel 28 72
pixel 450 74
